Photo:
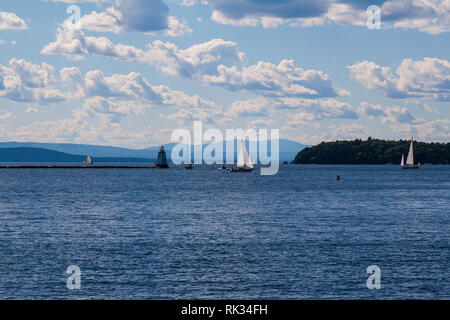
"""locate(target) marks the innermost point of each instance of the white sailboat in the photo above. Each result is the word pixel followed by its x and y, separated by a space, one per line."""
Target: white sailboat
pixel 244 162
pixel 410 159
pixel 89 161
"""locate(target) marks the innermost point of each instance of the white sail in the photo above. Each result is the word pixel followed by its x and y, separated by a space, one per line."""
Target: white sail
pixel 241 156
pixel 402 163
pixel 89 160
pixel 248 161
pixel 244 158
pixel 410 159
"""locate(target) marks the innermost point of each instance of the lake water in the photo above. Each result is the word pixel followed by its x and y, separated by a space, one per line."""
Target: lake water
pixel 211 234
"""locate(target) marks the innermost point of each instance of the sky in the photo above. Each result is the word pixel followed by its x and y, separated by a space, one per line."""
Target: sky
pixel 130 72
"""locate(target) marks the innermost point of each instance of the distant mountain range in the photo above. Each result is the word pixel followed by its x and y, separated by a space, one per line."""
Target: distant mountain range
pixel 26 154
pixel 68 152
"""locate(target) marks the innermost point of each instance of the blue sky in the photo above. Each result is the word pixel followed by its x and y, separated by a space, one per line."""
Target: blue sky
pixel 136 70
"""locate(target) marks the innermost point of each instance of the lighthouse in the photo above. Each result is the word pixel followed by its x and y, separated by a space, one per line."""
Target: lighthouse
pixel 161 162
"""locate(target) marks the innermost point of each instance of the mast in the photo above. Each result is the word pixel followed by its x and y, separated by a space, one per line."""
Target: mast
pixel 410 159
pixel 248 161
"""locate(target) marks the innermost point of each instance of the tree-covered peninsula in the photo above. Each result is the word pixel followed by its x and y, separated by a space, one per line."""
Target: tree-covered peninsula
pixel 373 151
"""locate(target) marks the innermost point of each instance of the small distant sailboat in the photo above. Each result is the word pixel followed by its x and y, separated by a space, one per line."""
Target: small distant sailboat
pixel 89 161
pixel 244 163
pixel 410 159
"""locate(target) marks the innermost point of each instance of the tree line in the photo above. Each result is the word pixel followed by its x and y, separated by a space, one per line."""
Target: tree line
pixel 373 151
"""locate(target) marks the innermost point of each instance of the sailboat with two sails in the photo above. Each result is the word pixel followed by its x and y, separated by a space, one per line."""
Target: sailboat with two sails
pixel 410 159
pixel 244 162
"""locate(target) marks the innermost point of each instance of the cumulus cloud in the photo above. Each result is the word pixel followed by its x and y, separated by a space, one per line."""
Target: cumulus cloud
pixel 147 16
pixel 23 81
pixel 75 44
pixel 307 110
pixel 258 107
pixel 184 116
pixel 107 110
pixel 106 102
pixel 259 123
pixel 107 98
pixel 338 132
pixel 284 79
pixel 131 87
pixel 216 62
pixel 318 112
pixel 431 16
pixel 319 109
pixel 5 115
pixel 434 130
pixel 78 130
pixel 393 114
pixel 193 62
pixel 10 21
pixel 428 78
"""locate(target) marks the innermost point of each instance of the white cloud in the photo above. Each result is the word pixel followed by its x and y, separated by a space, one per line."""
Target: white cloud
pixel 23 81
pixel 428 78
pixel 216 62
pixel 430 16
pixel 77 130
pixel 32 110
pixel 184 116
pixel 131 87
pixel 308 110
pixel 434 130
pixel 192 62
pixel 319 109
pixel 75 44
pixel 6 115
pixel 265 78
pixel 338 132
pixel 258 107
pixel 147 16
pixel 10 21
pixel 258 123
pixel 393 114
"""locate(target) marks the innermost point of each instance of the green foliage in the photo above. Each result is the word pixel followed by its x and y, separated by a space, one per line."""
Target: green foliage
pixel 373 151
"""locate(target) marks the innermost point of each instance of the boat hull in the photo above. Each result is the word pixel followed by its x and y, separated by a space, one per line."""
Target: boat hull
pixel 415 166
pixel 240 169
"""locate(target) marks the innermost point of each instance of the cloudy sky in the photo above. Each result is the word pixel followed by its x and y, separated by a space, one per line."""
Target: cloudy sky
pixel 136 70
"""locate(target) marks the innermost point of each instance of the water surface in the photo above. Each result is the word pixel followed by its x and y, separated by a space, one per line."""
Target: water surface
pixel 208 233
